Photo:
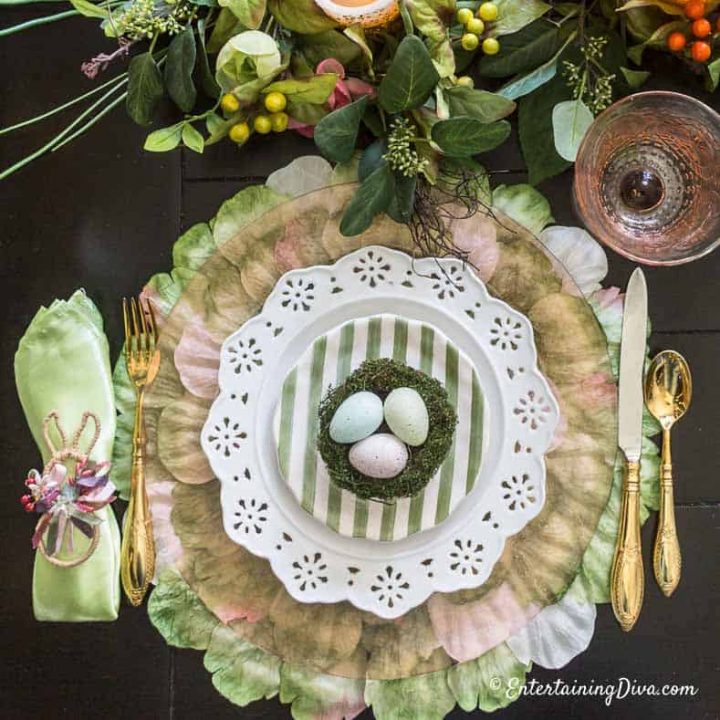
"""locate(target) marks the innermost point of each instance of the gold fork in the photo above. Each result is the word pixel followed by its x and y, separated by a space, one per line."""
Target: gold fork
pixel 137 555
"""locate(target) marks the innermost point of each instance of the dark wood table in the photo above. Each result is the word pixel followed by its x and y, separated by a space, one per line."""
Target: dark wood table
pixel 103 215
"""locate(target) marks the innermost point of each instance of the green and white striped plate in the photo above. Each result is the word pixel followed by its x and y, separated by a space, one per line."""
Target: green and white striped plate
pixel 328 362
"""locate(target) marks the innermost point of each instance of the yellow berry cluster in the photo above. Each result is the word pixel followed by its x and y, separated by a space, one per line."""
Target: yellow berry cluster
pixel 475 26
pixel 275 120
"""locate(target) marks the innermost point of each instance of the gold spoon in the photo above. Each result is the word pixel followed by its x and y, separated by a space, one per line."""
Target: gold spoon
pixel 668 391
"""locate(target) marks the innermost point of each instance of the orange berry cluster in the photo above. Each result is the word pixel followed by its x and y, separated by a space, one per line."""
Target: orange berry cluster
pixel 701 30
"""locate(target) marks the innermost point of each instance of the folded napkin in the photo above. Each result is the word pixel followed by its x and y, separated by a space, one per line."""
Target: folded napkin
pixel 62 364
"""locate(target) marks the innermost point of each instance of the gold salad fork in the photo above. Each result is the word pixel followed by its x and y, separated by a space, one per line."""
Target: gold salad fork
pixel 137 556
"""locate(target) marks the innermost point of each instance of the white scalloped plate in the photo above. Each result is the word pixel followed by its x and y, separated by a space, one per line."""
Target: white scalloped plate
pixel 261 513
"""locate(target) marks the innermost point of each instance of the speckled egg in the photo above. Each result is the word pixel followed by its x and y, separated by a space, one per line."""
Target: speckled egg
pixel 407 415
pixel 357 417
pixel 380 456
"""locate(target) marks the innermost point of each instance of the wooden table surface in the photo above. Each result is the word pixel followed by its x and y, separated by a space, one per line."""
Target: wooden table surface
pixel 103 215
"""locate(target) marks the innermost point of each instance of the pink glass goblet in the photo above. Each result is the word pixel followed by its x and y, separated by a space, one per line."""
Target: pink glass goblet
pixel 647 178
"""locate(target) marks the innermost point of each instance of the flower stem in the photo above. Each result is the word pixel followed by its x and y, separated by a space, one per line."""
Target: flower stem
pixel 90 123
pixel 62 134
pixel 60 108
pixel 4 3
pixel 37 21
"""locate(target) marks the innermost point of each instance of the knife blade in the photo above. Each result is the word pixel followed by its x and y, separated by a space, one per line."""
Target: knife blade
pixel 627 581
pixel 632 360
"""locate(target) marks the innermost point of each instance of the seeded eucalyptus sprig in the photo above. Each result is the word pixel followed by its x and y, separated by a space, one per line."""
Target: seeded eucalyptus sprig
pixel 401 155
pixel 147 18
pixel 588 79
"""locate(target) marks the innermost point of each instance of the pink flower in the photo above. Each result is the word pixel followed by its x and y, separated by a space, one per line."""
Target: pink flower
pixel 346 90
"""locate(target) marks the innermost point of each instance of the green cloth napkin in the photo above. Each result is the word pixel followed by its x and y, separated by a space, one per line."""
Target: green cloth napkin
pixel 62 363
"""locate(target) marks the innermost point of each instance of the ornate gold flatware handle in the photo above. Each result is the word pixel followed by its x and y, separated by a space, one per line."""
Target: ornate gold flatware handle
pixel 667 560
pixel 137 557
pixel 627 582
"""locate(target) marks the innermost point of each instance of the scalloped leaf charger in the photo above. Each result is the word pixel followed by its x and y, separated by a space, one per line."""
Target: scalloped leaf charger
pixel 332 660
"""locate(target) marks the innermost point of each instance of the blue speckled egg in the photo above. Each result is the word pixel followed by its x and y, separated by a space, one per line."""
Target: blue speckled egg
pixel 357 417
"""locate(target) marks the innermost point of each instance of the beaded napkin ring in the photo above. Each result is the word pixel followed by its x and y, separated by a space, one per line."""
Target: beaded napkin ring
pixel 68 500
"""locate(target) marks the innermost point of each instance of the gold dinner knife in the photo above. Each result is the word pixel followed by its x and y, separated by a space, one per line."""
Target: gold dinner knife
pixel 627 581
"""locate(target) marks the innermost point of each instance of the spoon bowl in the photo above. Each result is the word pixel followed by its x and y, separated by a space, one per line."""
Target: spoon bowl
pixel 668 392
pixel 668 388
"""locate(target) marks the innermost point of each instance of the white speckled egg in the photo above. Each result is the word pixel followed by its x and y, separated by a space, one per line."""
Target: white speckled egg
pixel 407 415
pixel 357 417
pixel 380 456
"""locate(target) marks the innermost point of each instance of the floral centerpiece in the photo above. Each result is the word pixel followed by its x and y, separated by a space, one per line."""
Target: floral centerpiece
pixel 412 90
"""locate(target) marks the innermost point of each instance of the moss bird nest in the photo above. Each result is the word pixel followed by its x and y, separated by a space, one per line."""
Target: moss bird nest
pixel 381 376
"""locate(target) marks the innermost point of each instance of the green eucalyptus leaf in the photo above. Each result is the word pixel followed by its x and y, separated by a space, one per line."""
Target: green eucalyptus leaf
pixel 535 129
pixel 713 75
pixel 213 122
pixel 192 139
pixel 218 127
pixel 463 58
pixel 202 66
pixel 513 15
pixel 641 23
pixel 523 50
pixel 402 205
pixel 571 120
pixel 657 40
pixel 179 69
pixel 145 88
pixel 410 79
pixel 300 66
pixel 315 90
pixel 89 9
pixel 465 136
pixel 301 16
pixel 374 122
pixel 306 113
pixel 164 139
pixel 372 158
pixel 249 12
pixel 336 134
pixel 225 27
pixel 328 44
pixel 479 104
pixel 433 18
pixel 525 84
pixel 635 78
pixel 372 197
pixel 356 34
